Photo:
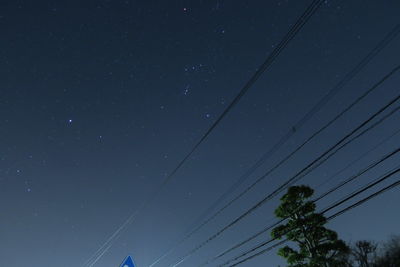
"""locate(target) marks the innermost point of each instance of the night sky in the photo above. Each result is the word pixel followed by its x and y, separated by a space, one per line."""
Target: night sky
pixel 100 100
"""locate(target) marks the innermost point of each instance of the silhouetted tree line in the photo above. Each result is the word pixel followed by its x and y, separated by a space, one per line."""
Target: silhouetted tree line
pixel 318 246
pixel 369 254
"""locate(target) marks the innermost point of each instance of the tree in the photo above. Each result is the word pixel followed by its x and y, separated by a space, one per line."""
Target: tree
pixel 364 252
pixel 317 245
pixel 390 257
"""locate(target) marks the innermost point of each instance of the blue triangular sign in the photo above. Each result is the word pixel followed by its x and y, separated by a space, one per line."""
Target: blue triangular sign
pixel 128 262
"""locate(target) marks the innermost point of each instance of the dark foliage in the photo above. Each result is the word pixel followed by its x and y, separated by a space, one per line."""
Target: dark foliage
pixel 317 245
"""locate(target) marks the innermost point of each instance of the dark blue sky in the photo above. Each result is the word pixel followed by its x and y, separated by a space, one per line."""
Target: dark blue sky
pixel 100 100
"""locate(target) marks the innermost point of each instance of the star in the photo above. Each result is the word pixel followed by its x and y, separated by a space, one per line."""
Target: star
pixel 186 91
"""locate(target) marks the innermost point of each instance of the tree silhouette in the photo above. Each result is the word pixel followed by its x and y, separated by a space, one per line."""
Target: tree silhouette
pixel 390 257
pixel 364 253
pixel 317 245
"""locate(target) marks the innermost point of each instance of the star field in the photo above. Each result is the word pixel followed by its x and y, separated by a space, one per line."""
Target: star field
pixel 100 100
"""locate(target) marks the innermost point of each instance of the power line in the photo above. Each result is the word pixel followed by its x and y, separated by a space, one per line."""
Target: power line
pixel 376 85
pixel 359 158
pixel 393 172
pixel 310 167
pixel 261 252
pixel 312 8
pixel 351 178
pixel 365 188
pixel 288 37
pixel 391 186
pixel 358 203
pixel 391 113
pixel 348 77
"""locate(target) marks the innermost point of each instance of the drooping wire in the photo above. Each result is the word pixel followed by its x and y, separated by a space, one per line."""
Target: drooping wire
pixel 348 77
pixel 312 8
pixel 375 86
pixel 391 186
pixel 337 88
pixel 306 170
pixel 340 185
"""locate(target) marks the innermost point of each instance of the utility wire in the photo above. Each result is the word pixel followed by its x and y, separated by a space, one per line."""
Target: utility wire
pixel 321 196
pixel 310 167
pixel 352 195
pixel 261 252
pixel 294 30
pixel 351 178
pixel 347 78
pixel 386 139
pixel 314 164
pixel 358 203
pixel 322 102
pixel 393 172
pixel 365 188
pixel 375 86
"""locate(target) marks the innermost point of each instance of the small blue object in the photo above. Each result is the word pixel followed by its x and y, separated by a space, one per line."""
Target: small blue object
pixel 128 262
